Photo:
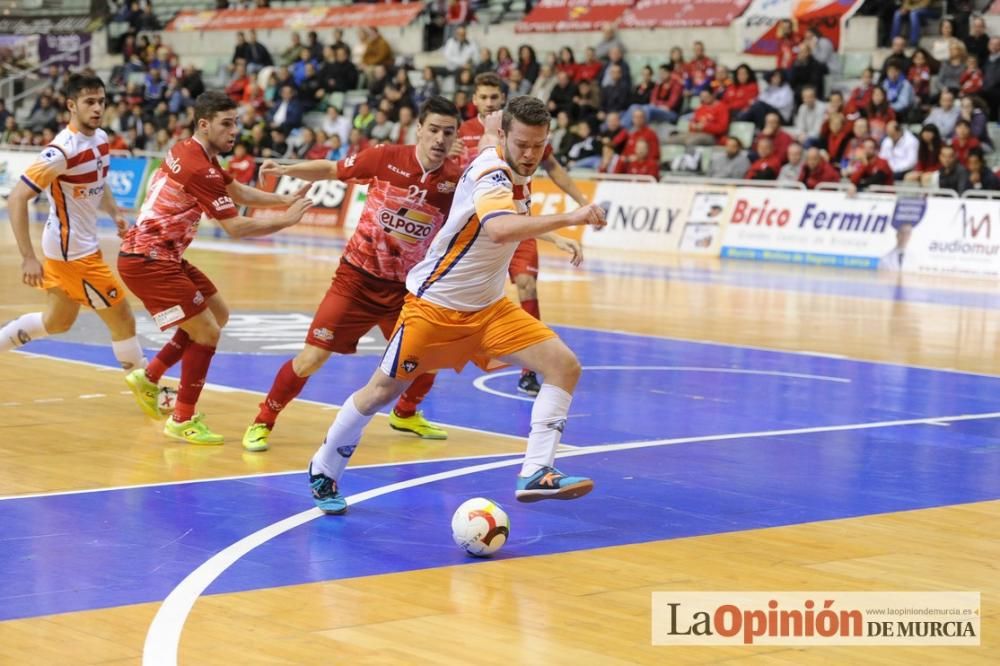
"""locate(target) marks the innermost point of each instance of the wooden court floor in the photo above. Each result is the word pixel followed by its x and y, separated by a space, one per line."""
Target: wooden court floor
pixel 67 427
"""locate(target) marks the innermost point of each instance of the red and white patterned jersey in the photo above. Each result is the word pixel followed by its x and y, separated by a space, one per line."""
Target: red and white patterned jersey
pixel 71 170
pixel 187 184
pixel 470 133
pixel 405 208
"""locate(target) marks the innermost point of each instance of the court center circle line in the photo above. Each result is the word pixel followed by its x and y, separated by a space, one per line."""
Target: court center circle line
pixel 164 635
pixel 480 381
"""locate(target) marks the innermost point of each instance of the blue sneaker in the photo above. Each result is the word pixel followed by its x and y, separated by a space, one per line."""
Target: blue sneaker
pixel 550 483
pixel 325 494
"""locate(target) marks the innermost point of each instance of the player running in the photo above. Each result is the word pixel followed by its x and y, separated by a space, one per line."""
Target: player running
pixel 190 182
pixel 456 312
pixel 488 97
pixel 72 171
pixel 410 189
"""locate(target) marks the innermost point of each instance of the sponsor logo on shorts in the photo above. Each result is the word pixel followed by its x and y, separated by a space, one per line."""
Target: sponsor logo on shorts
pixel 323 334
pixel 411 364
pixel 406 224
pixel 198 298
pixel 113 292
pixel 447 187
pixel 169 316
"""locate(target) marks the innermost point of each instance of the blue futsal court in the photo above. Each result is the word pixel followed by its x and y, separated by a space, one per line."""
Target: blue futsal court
pixel 681 438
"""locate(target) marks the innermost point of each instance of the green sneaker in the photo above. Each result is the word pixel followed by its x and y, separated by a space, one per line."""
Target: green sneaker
pixel 193 432
pixel 255 438
pixel 416 424
pixel 146 393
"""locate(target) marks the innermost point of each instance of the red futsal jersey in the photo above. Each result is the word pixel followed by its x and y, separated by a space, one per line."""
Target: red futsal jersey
pixel 405 208
pixel 187 184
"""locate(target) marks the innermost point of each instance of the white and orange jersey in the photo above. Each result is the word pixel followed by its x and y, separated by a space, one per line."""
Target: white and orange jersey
pixel 464 270
pixel 71 170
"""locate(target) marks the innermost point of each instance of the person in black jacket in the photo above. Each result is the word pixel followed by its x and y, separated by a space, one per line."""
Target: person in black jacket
pixel 980 177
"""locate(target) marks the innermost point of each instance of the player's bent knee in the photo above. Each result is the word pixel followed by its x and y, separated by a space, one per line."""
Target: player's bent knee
pixel 309 360
pixel 59 324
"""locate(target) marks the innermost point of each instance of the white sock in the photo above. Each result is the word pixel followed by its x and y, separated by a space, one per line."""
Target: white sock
pixel 548 418
pixel 341 439
pixel 129 353
pixel 22 330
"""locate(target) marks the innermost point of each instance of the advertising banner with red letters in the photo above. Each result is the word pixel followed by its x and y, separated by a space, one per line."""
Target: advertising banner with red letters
pixel 328 196
pixel 295 18
pixel 683 13
pixel 572 15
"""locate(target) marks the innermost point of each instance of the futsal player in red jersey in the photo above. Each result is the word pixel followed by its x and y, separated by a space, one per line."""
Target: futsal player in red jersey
pixel 190 182
pixel 488 97
pixel 410 189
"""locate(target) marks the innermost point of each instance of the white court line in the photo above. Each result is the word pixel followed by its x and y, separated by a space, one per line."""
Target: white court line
pixel 235 389
pixel 261 475
pixel 163 637
pixel 773 350
pixel 480 382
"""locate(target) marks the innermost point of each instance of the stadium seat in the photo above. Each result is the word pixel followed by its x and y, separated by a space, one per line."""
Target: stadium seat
pixel 855 64
pixel 336 99
pixel 744 131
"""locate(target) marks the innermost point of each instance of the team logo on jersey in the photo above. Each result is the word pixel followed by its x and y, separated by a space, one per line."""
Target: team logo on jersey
pixel 50 154
pixel 396 169
pixel 406 224
pixel 447 187
pixel 198 298
pixel 323 334
pixel 222 203
pixel 411 364
pixel 349 162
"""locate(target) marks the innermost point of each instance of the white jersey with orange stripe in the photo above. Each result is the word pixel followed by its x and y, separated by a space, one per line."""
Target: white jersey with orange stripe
pixel 71 170
pixel 464 270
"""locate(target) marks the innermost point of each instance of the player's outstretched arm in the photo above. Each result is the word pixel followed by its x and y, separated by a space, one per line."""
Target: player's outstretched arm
pixel 110 206
pixel 17 203
pixel 512 228
pixel 249 227
pixel 244 195
pixel 570 246
pixel 312 170
pixel 562 179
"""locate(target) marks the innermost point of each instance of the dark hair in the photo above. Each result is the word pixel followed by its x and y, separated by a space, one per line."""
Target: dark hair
pixel 210 103
pixel 733 138
pixel 977 152
pixel 442 106
pixel 963 121
pixel 526 110
pixel 79 82
pixel 488 80
pixel 927 153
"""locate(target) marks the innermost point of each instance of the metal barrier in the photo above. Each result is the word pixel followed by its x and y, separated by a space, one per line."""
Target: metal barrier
pixel 913 191
pixel 981 194
pixel 720 182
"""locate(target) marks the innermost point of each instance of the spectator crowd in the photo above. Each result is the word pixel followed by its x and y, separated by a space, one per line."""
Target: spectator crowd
pixel 923 117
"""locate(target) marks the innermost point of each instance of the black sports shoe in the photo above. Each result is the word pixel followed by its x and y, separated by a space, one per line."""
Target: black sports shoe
pixel 528 383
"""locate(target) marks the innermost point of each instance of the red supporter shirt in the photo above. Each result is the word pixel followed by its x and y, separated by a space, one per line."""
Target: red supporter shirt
pixel 646 167
pixel 187 184
pixel 652 141
pixel 711 118
pixel 242 170
pixel 405 208
pixel 739 96
pixel 857 102
pixel 765 168
pixel 823 173
pixel 962 149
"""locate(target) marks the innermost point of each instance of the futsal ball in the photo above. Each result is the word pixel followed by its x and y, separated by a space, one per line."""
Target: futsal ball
pixel 480 527
pixel 167 399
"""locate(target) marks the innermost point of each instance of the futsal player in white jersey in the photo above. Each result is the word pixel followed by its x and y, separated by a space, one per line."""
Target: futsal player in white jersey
pixel 72 171
pixel 456 312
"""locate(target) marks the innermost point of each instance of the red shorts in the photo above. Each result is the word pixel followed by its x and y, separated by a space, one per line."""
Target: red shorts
pixel 354 303
pixel 525 259
pixel 172 292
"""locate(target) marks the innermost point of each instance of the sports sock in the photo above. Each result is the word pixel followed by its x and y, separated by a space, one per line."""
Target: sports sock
pixel 286 387
pixel 194 369
pixel 22 330
pixel 548 418
pixel 407 404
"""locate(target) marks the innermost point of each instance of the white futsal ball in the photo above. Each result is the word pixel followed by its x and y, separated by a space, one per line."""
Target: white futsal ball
pixel 480 527
pixel 166 400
